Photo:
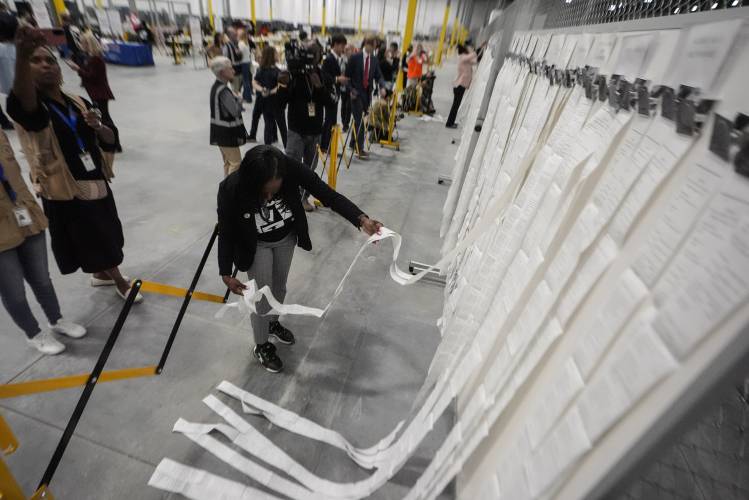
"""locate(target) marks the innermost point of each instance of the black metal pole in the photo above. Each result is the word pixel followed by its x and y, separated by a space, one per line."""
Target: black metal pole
pixel 186 302
pixel 228 290
pixel 89 388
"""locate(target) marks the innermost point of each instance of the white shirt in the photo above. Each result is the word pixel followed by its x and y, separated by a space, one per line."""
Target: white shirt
pixel 244 48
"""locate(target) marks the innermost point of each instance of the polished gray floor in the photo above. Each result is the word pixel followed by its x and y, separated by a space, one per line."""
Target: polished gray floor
pixel 357 370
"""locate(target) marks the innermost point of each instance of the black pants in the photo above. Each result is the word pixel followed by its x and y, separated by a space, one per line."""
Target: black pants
pixel 4 121
pixel 331 118
pixel 345 109
pixel 257 112
pixel 106 119
pixel 359 108
pixel 457 97
pixel 273 117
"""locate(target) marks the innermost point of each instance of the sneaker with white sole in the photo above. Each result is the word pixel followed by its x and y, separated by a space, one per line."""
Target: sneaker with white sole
pixel 69 329
pixel 107 282
pixel 45 343
pixel 266 354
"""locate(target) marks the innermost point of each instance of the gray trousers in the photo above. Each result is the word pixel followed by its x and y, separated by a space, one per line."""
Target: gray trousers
pixel 28 262
pixel 303 148
pixel 270 267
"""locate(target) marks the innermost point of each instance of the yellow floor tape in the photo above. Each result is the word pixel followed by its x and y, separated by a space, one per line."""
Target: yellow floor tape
pixel 56 384
pixel 151 287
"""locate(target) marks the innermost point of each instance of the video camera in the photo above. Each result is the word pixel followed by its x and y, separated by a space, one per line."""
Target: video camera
pixel 299 59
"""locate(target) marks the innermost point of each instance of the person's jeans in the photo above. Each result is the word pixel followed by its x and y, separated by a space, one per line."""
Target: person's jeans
pixel 358 107
pixel 270 267
pixel 331 118
pixel 246 82
pixel 303 148
pixel 28 262
pixel 457 97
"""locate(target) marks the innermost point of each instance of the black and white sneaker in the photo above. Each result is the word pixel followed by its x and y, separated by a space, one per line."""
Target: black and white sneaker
pixel 266 354
pixel 281 333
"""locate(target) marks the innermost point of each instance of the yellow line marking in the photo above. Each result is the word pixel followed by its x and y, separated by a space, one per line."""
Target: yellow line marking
pixel 151 287
pixel 59 383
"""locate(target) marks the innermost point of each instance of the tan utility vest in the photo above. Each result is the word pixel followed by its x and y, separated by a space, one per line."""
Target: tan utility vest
pixel 11 234
pixel 49 172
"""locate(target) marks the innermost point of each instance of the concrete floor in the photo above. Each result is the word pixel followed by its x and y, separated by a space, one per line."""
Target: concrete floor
pixel 357 370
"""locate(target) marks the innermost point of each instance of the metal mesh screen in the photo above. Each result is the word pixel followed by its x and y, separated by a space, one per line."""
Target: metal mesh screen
pixel 710 461
pixel 566 13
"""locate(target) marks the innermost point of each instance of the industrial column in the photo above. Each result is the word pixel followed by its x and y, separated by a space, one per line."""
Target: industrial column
pixel 443 33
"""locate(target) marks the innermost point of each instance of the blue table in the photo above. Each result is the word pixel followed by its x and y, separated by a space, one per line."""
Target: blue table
pixel 129 54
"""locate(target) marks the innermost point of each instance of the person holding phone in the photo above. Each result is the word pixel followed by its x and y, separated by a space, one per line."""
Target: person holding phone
pixel 64 140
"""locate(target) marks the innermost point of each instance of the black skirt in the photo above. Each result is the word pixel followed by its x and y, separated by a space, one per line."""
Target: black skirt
pixel 85 235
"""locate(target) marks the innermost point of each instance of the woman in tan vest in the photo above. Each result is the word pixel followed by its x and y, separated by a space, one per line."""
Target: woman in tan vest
pixel 23 257
pixel 68 148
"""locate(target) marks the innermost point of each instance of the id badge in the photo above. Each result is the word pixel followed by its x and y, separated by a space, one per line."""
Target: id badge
pixel 88 162
pixel 23 217
pixel 311 109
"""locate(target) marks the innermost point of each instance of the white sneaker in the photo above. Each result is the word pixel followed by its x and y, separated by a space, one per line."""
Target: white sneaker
pixel 123 296
pixel 107 282
pixel 69 329
pixel 45 343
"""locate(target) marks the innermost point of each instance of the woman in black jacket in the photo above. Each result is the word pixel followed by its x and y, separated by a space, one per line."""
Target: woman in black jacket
pixel 261 220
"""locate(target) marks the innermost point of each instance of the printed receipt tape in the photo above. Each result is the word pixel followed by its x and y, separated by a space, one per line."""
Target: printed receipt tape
pixel 242 434
pixel 198 484
pixel 251 296
pixel 285 419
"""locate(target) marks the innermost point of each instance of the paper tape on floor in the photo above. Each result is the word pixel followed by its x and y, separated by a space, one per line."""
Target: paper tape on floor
pixel 198 484
pixel 285 419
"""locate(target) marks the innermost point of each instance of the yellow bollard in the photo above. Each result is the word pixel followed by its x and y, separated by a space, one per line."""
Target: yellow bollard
pixel 333 157
pixel 9 489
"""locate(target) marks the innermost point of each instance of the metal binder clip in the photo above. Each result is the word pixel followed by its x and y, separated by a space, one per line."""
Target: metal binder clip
pixel 645 104
pixel 602 88
pixel 668 103
pixel 730 141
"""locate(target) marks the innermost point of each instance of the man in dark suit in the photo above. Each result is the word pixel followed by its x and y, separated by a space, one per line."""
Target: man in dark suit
pixel 362 71
pixel 333 78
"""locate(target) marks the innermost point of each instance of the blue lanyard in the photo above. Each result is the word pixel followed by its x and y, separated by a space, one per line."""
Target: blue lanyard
pixel 71 120
pixel 6 184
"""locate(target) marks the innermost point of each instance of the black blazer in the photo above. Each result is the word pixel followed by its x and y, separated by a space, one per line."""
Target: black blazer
pixel 237 236
pixel 331 69
pixel 355 72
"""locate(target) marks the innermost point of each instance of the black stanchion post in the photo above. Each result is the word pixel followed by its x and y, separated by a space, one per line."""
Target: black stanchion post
pixel 186 302
pixel 89 388
pixel 228 290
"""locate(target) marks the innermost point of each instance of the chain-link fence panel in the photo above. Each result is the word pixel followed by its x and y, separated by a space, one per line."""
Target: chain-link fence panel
pixel 708 462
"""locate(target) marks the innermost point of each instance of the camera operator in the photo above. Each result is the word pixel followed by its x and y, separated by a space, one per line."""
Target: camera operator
pixel 307 98
pixel 333 74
